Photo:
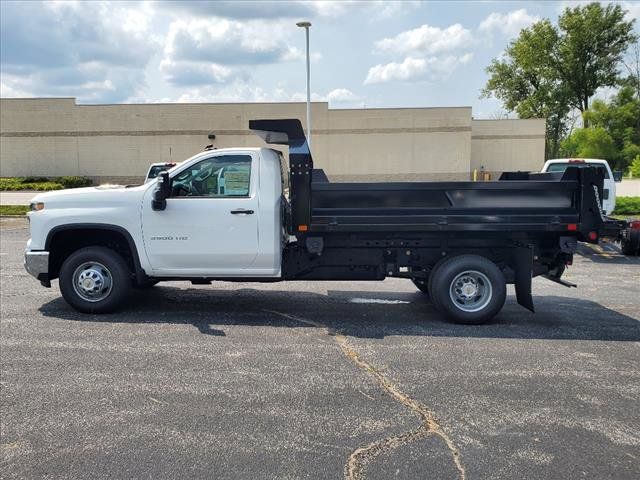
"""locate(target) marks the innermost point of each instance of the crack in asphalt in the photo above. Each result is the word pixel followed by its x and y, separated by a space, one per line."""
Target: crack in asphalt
pixel 354 468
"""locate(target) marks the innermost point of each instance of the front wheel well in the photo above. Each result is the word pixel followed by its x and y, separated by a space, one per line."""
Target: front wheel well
pixel 63 242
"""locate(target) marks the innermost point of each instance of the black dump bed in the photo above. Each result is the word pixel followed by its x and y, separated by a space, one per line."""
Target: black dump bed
pixel 519 201
pixel 499 205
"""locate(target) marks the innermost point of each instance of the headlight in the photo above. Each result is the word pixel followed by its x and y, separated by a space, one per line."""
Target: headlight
pixel 35 206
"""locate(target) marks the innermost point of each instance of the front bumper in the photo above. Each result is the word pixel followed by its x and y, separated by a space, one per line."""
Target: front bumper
pixel 36 263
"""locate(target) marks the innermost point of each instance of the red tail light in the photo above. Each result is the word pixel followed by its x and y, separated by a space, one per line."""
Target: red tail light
pixel 593 236
pixel 572 227
pixel 634 225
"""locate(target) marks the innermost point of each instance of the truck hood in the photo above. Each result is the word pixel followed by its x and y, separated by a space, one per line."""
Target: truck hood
pixel 90 197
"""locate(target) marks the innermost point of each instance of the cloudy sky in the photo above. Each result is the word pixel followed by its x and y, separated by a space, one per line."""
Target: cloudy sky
pixel 371 54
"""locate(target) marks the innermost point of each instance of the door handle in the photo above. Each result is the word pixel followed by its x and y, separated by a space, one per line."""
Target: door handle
pixel 242 211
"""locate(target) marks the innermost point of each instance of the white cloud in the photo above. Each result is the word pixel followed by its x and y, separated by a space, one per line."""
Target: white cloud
pixel 12 90
pixel 96 51
pixel 296 54
pixel 95 83
pixel 201 51
pixel 633 11
pixel 342 95
pixel 244 10
pixel 417 69
pixel 508 24
pixel 292 9
pixel 408 69
pixel 430 54
pixel 186 73
pixel 226 41
pixel 372 10
pixel 338 97
pixel 243 91
pixel 427 40
pixel 386 9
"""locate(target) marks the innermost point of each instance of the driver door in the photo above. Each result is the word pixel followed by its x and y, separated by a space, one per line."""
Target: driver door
pixel 210 225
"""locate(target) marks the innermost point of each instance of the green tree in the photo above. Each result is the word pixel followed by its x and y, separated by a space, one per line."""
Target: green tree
pixel 590 47
pixel 620 120
pixel 525 83
pixel 548 71
pixel 592 142
pixel 635 167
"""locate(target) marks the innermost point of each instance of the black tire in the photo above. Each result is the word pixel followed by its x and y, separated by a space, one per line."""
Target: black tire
pixel 630 244
pixel 421 284
pixel 110 265
pixel 483 275
pixel 432 276
pixel 627 248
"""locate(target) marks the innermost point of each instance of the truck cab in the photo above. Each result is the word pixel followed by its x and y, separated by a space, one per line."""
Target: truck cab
pixel 609 190
pixel 222 217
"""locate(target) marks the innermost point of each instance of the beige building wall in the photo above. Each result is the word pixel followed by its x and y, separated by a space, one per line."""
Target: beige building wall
pixel 396 144
pixel 55 137
pixel 507 145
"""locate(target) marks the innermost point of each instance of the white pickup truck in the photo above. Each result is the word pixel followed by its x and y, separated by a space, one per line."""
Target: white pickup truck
pixel 244 214
pixel 609 190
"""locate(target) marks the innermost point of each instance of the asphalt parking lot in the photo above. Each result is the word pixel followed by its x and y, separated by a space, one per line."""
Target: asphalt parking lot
pixel 320 380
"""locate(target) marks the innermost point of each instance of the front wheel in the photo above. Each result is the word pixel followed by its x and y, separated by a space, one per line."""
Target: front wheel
pixel 95 280
pixel 469 289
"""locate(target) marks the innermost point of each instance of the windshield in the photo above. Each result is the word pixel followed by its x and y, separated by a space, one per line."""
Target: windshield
pixel 561 167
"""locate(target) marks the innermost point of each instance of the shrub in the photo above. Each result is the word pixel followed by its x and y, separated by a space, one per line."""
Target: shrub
pixel 627 206
pixel 18 183
pixel 13 209
pixel 42 183
pixel 43 186
pixel 74 182
pixel 8 183
pixel 33 179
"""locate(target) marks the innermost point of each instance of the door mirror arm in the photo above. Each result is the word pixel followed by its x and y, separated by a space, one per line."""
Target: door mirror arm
pixel 162 192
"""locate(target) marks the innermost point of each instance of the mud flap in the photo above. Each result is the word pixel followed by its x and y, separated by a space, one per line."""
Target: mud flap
pixel 523 264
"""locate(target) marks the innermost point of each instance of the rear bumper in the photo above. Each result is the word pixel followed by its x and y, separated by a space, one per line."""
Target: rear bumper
pixel 36 263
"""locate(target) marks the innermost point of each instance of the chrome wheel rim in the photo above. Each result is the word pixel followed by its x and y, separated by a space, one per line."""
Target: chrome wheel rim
pixel 92 281
pixel 470 291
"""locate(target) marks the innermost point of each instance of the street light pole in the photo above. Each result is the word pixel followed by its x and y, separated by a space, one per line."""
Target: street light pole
pixel 306 26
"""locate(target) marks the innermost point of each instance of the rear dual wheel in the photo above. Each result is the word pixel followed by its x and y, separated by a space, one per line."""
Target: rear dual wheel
pixel 467 289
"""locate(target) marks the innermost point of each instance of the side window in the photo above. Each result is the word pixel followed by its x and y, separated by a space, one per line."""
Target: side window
pixel 220 176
